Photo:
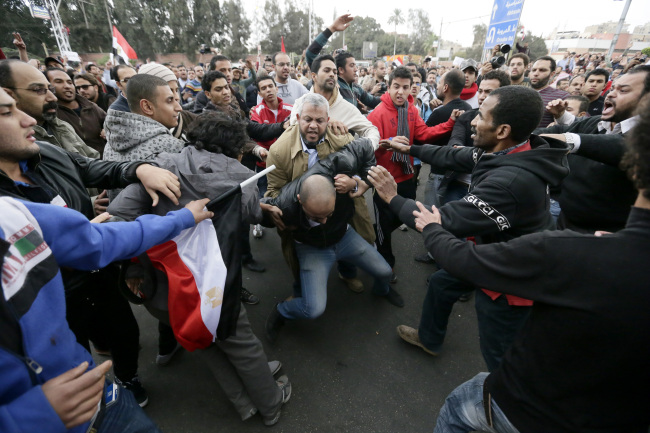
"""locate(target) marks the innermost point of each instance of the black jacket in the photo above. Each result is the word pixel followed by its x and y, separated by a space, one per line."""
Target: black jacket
pixel 355 158
pixel 256 131
pixel 597 194
pixel 461 135
pixel 508 196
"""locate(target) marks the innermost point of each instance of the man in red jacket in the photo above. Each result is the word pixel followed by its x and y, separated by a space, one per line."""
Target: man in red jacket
pixel 398 121
pixel 270 110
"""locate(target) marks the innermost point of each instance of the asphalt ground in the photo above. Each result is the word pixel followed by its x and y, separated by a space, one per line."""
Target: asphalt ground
pixel 349 369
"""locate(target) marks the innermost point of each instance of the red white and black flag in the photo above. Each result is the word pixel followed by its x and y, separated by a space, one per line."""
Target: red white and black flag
pixel 122 51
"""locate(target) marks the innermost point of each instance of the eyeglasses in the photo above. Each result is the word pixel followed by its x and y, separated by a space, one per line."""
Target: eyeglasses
pixel 126 80
pixel 38 90
pixel 84 86
pixel 282 65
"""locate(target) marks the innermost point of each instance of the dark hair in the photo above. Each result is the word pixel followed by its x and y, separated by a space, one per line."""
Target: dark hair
pixel 216 132
pixel 521 56
pixel 364 69
pixel 577 76
pixel 637 157
pixel 562 80
pixel 48 70
pixel 520 107
pixel 261 78
pixel 276 55
pixel 142 86
pixel 642 69
pixel 209 78
pixel 550 59
pixel 115 71
pixel 584 102
pixel 90 65
pixel 455 79
pixel 377 62
pixel 411 64
pixel 88 77
pixel 402 72
pixel 215 59
pixel 6 76
pixel 498 74
pixel 598 71
pixel 417 74
pixel 315 66
pixel 342 59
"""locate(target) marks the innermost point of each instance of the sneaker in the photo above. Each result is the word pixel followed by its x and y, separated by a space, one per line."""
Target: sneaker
pixel 136 388
pixel 248 298
pixel 393 278
pixel 285 387
pixel 394 298
pixel 253 265
pixel 248 415
pixel 425 258
pixel 465 297
pixel 353 284
pixel 166 359
pixel 410 335
pixel 275 367
pixel 403 228
pixel 258 231
pixel 274 322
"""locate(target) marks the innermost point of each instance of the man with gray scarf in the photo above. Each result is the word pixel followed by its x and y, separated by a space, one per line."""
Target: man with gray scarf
pixel 398 121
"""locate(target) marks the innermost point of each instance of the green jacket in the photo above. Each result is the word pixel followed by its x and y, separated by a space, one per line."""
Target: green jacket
pixel 61 134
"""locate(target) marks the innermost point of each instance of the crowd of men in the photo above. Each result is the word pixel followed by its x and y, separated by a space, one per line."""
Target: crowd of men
pixel 537 204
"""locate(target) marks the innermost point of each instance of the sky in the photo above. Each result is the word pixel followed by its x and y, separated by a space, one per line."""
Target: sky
pixel 459 16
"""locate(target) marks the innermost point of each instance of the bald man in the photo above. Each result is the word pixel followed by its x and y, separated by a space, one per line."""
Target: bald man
pixel 319 218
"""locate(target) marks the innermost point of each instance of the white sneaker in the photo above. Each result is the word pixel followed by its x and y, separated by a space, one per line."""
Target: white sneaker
pixel 258 232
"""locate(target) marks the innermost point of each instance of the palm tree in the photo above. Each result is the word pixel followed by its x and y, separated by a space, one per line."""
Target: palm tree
pixel 397 18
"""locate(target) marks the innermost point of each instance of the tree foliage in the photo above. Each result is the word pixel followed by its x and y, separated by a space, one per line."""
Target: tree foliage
pixel 17 18
pixel 420 30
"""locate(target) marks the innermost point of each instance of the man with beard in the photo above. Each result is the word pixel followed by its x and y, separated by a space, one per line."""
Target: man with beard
pixel 541 76
pixel 86 117
pixel 88 87
pixel 221 64
pixel 35 96
pixel 576 84
pixel 288 89
pixel 597 195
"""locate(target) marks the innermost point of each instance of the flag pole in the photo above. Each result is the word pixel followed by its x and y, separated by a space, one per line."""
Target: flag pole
pixel 236 189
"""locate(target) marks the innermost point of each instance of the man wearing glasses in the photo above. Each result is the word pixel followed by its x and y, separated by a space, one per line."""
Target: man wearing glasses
pixel 121 74
pixel 35 96
pixel 88 87
pixel 288 89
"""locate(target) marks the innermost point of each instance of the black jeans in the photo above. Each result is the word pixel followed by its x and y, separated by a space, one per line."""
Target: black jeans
pixel 387 221
pixel 98 309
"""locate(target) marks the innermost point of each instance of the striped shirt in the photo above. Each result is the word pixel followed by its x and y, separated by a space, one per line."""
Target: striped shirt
pixel 548 94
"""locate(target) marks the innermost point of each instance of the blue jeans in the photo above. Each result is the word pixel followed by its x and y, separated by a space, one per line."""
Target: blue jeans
pixel 315 265
pixel 126 416
pixel 555 209
pixel 262 182
pixel 463 411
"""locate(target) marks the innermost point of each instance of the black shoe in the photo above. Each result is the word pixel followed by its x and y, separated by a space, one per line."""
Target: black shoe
pixel 465 297
pixel 424 258
pixel 274 322
pixel 393 278
pixel 136 388
pixel 394 298
pixel 248 298
pixel 253 265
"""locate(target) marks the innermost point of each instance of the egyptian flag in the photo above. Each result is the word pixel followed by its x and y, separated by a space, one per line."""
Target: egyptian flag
pixel 203 268
pixel 122 51
pixel 522 34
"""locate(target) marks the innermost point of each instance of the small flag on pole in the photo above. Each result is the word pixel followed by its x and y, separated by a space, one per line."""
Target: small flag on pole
pixel 122 51
pixel 282 47
pixel 522 34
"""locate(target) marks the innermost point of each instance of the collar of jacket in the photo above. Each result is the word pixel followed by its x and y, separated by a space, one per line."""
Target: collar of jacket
pixel 84 103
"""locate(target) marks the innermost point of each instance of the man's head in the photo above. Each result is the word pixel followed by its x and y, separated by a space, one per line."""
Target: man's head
pixel 152 97
pixel 451 84
pixel 577 105
pixel 417 84
pixel 267 89
pixel 182 72
pixel 318 198
pixel 222 64
pixel 517 65
pixel 575 85
pixel 91 68
pixel 198 70
pixel 490 82
pixel 28 86
pixel 542 72
pixel 323 73
pixel 412 67
pixel 190 74
pixel 562 84
pixel 174 70
pixel 17 141
pixel 507 118
pixel 622 100
pixel 431 77
pixel 595 82
pixel 470 69
pixel 87 86
pixel 217 132
pixel 346 66
pixel 268 64
pixel 236 74
pixel 53 62
pixel 363 72
pixel 637 156
pixel 380 69
pixel 282 67
pixel 313 116
pixel 63 86
pixel 399 85
pixel 122 74
pixel 163 72
pixel 216 88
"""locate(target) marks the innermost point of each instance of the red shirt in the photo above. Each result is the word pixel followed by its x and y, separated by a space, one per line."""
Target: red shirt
pixel 261 113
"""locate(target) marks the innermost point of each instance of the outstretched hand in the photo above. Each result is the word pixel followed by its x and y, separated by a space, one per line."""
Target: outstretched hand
pixel 158 180
pixel 341 23
pixel 197 207
pixel 383 182
pixel 423 218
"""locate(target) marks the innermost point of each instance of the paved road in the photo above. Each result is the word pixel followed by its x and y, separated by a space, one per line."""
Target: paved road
pixel 349 369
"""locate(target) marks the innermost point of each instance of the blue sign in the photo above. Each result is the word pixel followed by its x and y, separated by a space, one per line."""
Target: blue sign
pixel 504 19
